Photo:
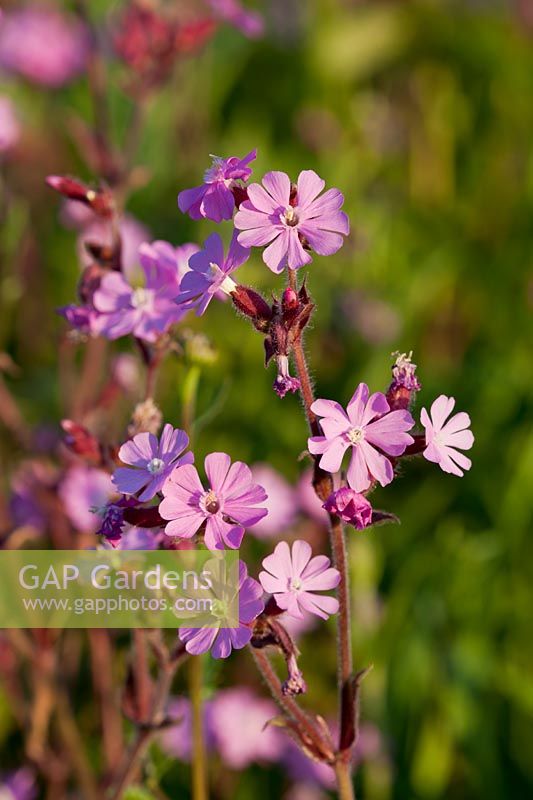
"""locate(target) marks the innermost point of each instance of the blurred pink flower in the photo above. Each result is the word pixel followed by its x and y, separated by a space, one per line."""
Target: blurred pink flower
pixel 294 576
pixel 18 785
pixel 82 489
pixel 9 125
pixel 308 501
pixel 176 740
pixel 367 424
pixel 29 482
pixel 275 216
pixel 146 312
pixel 42 45
pixel 238 725
pixel 443 437
pixel 132 232
pixel 281 502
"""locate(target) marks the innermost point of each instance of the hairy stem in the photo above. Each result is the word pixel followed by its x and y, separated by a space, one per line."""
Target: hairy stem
pixel 323 485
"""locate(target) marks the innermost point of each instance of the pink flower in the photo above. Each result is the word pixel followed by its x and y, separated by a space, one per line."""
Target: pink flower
pixel 293 578
pixel 92 229
pixel 442 438
pixel 214 199
pixel 151 461
pixel 43 46
pixel 227 506
pixel 352 507
pixel 366 424
pixel 209 272
pixel 281 502
pixel 240 709
pixel 221 640
pixel 9 125
pixel 284 220
pixel 147 312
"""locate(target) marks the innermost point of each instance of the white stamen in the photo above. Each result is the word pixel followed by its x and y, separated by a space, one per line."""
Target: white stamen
pixel 155 466
pixel 355 435
pixel 140 297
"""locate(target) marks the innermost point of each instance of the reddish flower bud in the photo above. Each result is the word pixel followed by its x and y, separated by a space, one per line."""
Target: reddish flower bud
pixel 352 507
pixel 289 301
pixel 252 305
pixel 404 384
pixel 80 441
pixel 100 201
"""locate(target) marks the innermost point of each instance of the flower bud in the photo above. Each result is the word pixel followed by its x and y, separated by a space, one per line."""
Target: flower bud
pixel 352 507
pixel 252 305
pixel 100 201
pixel 80 441
pixel 404 384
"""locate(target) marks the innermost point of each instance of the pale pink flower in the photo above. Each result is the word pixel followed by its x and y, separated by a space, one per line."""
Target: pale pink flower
pixel 444 435
pixel 9 125
pixel 294 576
pixel 368 426
pixel 286 220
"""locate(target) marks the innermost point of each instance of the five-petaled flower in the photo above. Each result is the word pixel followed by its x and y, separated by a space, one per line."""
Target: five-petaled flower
pixel 151 461
pixel 294 577
pixel 443 437
pixel 285 220
pixel 227 507
pixel 366 424
pixel 147 311
pixel 221 640
pixel 215 198
pixel 209 273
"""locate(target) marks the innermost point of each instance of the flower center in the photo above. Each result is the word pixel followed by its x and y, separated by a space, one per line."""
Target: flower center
pixel 290 217
pixel 211 502
pixel 295 584
pixel 155 466
pixel 355 435
pixel 140 298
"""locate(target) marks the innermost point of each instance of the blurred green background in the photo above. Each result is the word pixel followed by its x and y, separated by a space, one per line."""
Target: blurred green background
pixel 422 114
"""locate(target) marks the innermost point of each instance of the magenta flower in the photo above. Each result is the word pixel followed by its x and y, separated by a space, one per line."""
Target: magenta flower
pixel 209 272
pixel 42 45
pixel 147 312
pixel 221 640
pixel 214 199
pixel 286 221
pixel 151 461
pixel 443 437
pixel 284 381
pixel 294 577
pixel 19 785
pixel 366 424
pixel 9 125
pixel 351 507
pixel 227 506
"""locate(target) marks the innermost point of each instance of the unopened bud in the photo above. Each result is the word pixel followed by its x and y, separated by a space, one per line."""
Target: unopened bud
pixel 81 442
pixel 289 301
pixel 404 382
pixel 100 201
pixel 253 305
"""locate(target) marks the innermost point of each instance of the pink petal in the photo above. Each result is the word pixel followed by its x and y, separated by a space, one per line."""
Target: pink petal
pixel 301 555
pixel 186 478
pixel 388 432
pixel 279 186
pixel 322 242
pixel 275 255
pixel 129 481
pixel 327 204
pixel 330 408
pixel 296 255
pixel 216 468
pixel 379 467
pixel 328 579
pixel 321 605
pixel 458 422
pixel 247 217
pixel 309 186
pixel 333 455
pixel 317 444
pixel 261 200
pixel 279 563
pixel 356 406
pixel 258 237
pixel 272 584
pixel 376 406
pixel 183 526
pixel 357 474
pixel 441 408
pixel 462 439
